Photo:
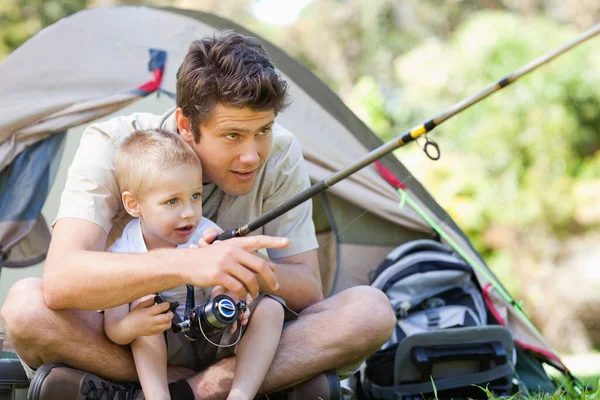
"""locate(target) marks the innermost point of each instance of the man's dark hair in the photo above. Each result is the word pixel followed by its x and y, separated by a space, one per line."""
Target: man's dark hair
pixel 230 69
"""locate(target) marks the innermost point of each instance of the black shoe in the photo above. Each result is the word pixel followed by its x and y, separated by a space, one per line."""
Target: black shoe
pixel 325 386
pixel 61 382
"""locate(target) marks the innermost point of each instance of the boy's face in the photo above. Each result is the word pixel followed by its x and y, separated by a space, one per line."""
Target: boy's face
pixel 171 209
pixel 234 144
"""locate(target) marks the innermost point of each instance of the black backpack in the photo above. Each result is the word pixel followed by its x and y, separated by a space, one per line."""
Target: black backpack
pixel 441 333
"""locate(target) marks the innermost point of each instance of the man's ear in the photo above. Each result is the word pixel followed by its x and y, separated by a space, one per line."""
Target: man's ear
pixel 131 205
pixel 184 126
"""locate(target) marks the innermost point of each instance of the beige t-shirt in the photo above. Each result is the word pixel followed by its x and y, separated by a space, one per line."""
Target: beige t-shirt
pixel 91 191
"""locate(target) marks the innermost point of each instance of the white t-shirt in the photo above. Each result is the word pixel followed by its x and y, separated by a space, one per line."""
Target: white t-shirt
pixel 132 241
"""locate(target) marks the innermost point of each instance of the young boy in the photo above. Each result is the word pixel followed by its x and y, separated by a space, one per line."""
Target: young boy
pixel 160 179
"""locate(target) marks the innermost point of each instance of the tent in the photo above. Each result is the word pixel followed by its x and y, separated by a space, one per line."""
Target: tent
pixel 98 61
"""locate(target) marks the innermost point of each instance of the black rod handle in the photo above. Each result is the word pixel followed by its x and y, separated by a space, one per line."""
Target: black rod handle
pixel 227 235
pixel 275 212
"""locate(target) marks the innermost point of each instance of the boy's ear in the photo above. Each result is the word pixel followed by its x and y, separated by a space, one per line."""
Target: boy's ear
pixel 184 126
pixel 131 205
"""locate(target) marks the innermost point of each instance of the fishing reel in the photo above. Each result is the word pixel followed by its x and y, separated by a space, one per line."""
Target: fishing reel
pixel 207 319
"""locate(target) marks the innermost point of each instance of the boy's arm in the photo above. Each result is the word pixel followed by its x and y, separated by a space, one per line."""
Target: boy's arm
pixel 150 356
pixel 146 318
pixel 116 327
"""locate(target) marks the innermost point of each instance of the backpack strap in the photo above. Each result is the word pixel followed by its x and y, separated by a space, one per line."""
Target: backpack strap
pixel 418 245
pixel 406 249
pixel 422 261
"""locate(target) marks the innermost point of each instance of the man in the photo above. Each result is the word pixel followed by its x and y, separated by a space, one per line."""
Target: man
pixel 228 94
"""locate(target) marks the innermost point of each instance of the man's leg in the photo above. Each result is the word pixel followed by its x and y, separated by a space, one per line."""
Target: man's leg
pixel 341 330
pixel 75 337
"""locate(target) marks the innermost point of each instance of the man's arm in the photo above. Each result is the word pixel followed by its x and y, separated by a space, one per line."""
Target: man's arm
pixel 78 274
pixel 299 279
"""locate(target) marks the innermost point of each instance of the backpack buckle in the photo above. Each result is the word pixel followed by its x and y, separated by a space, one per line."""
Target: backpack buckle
pixel 402 309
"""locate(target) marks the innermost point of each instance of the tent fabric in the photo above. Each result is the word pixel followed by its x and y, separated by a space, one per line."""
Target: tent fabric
pixel 99 60
pixel 24 186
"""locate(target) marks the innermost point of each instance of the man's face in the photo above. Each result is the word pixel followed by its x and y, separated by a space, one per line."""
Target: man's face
pixel 234 144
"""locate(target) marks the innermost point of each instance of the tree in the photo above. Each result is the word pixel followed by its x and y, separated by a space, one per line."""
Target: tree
pixel 21 19
pixel 512 164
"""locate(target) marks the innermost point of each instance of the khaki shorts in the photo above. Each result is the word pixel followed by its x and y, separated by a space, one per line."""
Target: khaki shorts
pixel 348 370
pixel 200 354
pixel 28 370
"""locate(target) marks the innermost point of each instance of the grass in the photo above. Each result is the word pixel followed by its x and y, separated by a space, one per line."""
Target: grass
pixel 566 391
pixel 591 381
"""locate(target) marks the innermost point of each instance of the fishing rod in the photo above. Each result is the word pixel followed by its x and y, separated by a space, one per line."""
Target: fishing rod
pixel 405 138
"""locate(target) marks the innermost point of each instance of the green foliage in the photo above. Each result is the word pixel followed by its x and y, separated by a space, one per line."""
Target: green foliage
pixel 511 165
pixel 343 40
pixel 369 104
pixel 535 137
pixel 21 19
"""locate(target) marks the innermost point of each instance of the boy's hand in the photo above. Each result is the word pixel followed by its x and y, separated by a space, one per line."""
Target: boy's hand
pixel 147 318
pixel 217 290
pixel 209 236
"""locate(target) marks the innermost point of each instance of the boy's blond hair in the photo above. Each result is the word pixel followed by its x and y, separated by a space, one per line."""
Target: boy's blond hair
pixel 145 153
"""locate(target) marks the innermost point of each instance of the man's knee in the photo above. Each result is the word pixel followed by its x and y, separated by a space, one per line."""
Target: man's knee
pixel 22 307
pixel 372 317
